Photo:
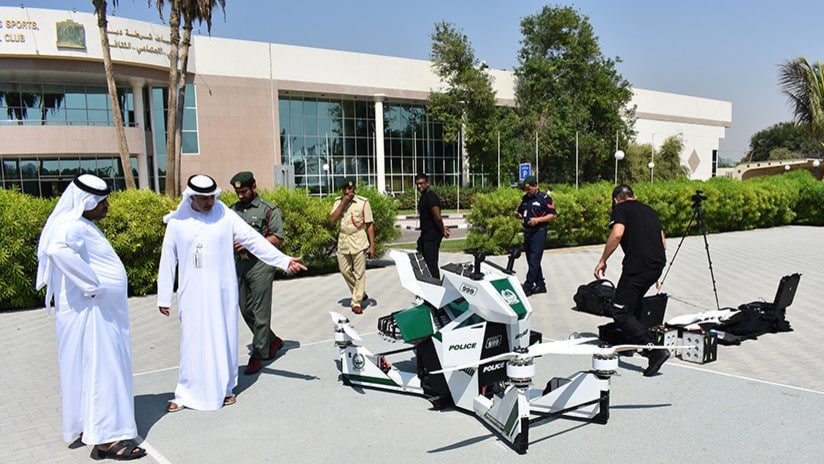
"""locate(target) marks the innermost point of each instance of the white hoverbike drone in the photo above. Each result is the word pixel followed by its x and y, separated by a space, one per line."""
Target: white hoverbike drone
pixel 474 349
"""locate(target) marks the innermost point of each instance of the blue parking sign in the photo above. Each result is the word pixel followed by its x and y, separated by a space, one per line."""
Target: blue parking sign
pixel 524 171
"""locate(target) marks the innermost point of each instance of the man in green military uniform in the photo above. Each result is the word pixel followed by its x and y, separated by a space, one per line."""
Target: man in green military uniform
pixel 357 237
pixel 255 278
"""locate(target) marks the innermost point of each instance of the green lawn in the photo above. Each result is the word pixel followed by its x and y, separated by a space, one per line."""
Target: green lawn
pixel 457 245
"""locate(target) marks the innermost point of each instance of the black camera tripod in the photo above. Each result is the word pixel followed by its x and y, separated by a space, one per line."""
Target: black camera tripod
pixel 697 215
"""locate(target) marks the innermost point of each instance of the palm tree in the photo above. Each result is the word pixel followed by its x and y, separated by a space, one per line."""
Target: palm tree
pixel 189 10
pixel 102 23
pixel 803 84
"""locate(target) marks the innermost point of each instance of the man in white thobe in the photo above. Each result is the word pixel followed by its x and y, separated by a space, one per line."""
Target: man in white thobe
pixel 88 283
pixel 199 242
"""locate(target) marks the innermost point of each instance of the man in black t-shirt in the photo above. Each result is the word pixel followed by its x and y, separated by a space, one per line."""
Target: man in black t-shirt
pixel 432 228
pixel 636 227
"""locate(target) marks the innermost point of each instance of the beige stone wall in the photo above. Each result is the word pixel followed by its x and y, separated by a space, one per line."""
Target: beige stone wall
pixel 58 140
pixel 237 129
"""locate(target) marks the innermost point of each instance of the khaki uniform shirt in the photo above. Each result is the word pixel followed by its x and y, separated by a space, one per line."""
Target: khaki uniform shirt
pixel 262 216
pixel 353 220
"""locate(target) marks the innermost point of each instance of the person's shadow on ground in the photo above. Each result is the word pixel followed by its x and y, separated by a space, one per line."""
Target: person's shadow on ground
pixel 367 302
pixel 148 409
pixel 245 381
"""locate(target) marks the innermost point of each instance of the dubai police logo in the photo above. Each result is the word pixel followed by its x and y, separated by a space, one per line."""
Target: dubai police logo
pixel 237 184
pixel 509 296
pixel 358 362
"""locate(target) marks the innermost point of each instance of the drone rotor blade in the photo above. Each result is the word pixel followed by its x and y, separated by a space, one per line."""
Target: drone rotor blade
pixel 341 321
pixel 558 347
pixel 349 330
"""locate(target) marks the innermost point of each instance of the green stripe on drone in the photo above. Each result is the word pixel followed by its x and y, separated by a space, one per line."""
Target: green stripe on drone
pixel 366 379
pixel 503 285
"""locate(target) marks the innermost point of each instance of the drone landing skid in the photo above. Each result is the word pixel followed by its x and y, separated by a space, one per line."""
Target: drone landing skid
pixel 583 396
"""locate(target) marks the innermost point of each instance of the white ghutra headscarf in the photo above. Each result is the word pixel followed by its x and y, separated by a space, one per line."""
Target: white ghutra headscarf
pixel 82 194
pixel 198 184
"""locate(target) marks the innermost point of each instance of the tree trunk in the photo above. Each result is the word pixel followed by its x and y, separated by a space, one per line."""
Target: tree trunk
pixel 125 160
pixel 172 175
pixel 185 44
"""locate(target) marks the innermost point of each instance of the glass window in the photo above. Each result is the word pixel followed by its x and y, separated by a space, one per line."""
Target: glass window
pixel 189 142
pixel 69 167
pixel 348 108
pixel 32 187
pixel 10 170
pixel 97 98
pixel 105 168
pixel 189 119
pixel 28 168
pixel 49 167
pixel 310 109
pixel 159 98
pixel 360 109
pixel 98 117
pixel 310 125
pixel 283 113
pixel 76 117
pixel 189 96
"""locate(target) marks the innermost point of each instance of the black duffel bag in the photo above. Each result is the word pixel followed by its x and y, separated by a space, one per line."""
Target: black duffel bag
pixel 595 298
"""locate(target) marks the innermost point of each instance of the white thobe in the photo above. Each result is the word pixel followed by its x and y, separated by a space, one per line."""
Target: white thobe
pixel 93 341
pixel 200 245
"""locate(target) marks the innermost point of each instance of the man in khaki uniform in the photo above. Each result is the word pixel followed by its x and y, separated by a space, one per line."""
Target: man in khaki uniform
pixel 357 237
pixel 254 277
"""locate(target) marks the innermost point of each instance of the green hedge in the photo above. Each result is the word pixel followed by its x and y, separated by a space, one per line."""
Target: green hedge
pixel 135 228
pixel 448 195
pixel 21 219
pixel 793 198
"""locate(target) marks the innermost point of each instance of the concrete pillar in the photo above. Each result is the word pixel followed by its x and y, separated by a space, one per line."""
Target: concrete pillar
pixel 380 158
pixel 140 122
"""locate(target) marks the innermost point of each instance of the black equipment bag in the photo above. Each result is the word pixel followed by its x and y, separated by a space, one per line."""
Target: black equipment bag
pixel 595 298
pixel 650 314
pixel 759 317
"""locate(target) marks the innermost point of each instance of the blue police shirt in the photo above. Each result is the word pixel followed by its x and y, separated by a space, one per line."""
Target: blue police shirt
pixel 539 205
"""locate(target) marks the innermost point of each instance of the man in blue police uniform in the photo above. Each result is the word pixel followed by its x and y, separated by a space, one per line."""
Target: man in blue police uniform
pixel 254 277
pixel 536 210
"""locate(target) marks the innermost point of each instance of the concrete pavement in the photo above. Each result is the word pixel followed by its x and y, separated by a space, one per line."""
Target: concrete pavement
pixel 762 401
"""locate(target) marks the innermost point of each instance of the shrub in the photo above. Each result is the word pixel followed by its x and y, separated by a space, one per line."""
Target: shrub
pixel 494 225
pixel 310 235
pixel 583 214
pixel 448 195
pixel 134 227
pixel 21 219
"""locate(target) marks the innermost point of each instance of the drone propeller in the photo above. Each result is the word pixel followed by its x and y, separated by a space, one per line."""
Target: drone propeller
pixel 592 350
pixel 539 349
pixel 708 316
pixel 343 323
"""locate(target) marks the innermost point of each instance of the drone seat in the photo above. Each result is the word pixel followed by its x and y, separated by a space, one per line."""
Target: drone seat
pixel 421 270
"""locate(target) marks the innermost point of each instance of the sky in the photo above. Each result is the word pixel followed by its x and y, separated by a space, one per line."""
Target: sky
pixel 724 50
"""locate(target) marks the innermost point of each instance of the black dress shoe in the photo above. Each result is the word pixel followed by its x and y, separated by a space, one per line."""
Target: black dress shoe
pixel 657 358
pixel 538 290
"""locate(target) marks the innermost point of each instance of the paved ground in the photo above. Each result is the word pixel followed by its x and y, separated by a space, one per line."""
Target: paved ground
pixel 762 401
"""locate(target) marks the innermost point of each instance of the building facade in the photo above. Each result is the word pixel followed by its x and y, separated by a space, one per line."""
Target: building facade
pixel 289 114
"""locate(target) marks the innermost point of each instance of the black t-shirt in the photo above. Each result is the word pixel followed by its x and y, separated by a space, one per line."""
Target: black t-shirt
pixel 428 227
pixel 641 242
